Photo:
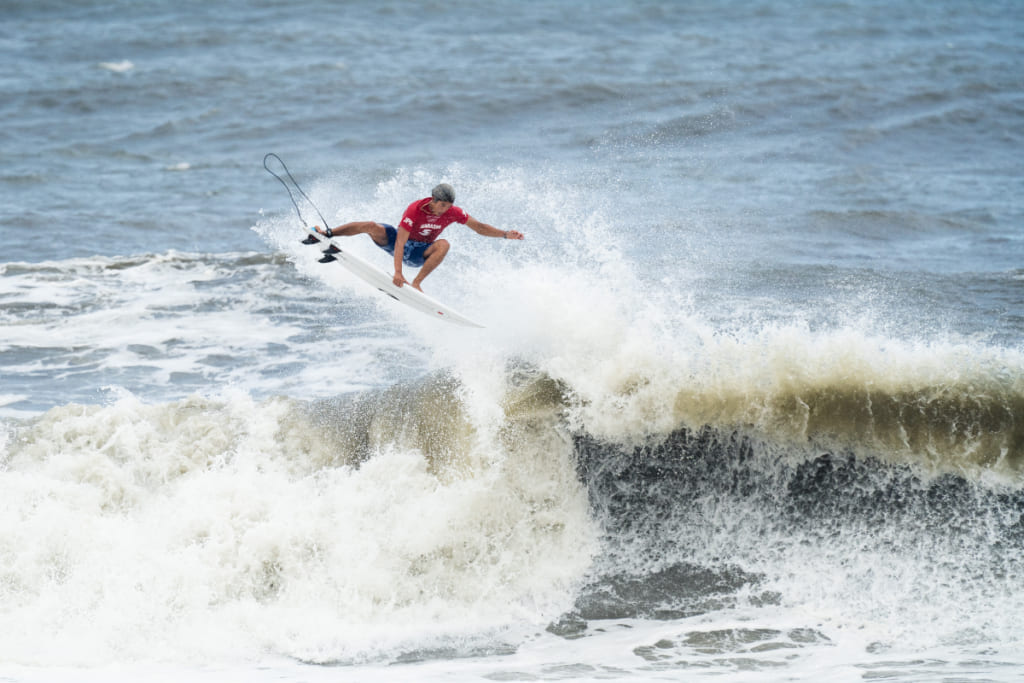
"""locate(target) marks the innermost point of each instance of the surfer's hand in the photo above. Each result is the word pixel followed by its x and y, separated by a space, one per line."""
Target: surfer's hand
pixel 513 235
pixel 399 280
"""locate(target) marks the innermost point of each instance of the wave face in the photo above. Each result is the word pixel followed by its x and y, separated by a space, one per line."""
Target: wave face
pixel 709 520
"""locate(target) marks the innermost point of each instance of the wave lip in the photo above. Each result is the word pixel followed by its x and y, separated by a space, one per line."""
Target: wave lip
pixel 947 408
pixel 955 427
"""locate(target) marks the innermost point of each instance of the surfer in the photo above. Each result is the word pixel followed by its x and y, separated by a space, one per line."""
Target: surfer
pixel 415 241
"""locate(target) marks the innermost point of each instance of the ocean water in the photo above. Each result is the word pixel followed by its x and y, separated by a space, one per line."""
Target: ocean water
pixel 748 404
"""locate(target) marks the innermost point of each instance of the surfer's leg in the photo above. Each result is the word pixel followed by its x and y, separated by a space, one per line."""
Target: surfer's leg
pixel 433 256
pixel 376 231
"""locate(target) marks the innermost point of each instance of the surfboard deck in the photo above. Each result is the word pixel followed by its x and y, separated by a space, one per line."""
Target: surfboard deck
pixel 377 278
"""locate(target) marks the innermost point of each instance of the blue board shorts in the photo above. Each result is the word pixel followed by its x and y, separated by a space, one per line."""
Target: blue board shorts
pixel 413 253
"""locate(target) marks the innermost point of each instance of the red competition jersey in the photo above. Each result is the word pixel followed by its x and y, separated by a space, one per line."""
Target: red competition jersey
pixel 424 226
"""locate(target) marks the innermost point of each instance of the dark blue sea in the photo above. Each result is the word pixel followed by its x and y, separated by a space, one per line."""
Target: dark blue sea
pixel 747 405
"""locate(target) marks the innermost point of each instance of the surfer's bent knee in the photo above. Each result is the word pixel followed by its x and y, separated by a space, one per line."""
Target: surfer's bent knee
pixel 440 245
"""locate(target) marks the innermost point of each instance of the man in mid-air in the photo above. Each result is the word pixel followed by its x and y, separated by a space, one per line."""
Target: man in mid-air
pixel 415 241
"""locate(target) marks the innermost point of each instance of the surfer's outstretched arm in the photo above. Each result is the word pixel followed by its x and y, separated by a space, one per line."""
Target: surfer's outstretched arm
pixel 491 231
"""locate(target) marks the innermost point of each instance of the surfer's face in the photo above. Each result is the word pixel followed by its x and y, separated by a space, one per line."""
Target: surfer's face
pixel 437 207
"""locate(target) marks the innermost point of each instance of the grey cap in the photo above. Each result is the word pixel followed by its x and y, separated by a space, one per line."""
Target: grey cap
pixel 444 193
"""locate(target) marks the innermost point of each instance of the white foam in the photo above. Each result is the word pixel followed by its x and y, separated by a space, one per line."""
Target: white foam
pixel 153 322
pixel 201 529
pixel 121 67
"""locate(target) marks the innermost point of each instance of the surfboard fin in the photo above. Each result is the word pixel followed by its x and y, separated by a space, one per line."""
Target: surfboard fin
pixel 331 250
pixel 310 240
pixel 327 258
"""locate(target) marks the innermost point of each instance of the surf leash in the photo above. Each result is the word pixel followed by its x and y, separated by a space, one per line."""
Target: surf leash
pixel 310 239
pixel 289 190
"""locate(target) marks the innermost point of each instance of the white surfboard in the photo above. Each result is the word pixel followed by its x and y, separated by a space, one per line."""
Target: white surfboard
pixel 377 278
